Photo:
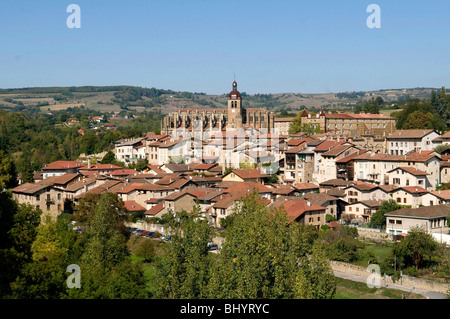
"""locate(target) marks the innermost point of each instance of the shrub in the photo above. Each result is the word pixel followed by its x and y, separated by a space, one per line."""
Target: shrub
pixel 146 250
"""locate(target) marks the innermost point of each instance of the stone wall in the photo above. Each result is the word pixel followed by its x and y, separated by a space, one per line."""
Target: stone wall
pixel 407 281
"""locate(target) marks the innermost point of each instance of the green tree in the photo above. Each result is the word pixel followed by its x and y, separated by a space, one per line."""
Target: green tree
pixel 315 281
pixel 105 263
pixel 146 250
pixel 184 270
pixel 378 219
pixel 262 256
pixel 8 174
pixel 109 158
pixel 418 245
pixel 44 277
pixel 339 244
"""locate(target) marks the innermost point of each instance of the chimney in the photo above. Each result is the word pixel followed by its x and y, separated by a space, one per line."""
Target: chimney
pixel 89 163
pixel 308 203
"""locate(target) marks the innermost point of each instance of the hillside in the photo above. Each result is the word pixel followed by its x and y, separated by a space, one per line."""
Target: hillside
pixel 117 98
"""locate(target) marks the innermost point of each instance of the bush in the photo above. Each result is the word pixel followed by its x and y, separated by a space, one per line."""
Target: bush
pixel 146 250
pixel 157 234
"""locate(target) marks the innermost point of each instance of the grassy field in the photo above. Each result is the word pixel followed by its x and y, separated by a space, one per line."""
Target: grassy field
pixel 380 251
pixel 59 107
pixel 347 289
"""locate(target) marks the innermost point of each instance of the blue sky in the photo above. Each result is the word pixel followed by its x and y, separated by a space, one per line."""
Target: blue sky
pixel 198 45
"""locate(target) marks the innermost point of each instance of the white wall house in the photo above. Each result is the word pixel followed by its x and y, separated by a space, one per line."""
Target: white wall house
pixel 402 142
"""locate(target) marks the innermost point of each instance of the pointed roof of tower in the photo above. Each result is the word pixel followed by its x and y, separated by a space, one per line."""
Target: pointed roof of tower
pixel 234 94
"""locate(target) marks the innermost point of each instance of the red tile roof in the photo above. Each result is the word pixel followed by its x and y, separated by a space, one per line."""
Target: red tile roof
pixel 132 206
pixel 60 165
pixel 249 173
pixel 296 208
pixel 406 134
pixel 123 172
pixel 327 145
pixel 413 189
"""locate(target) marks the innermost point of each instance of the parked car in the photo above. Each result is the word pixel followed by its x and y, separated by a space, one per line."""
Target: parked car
pixel 131 229
pixel 166 237
pixel 212 246
pixel 150 234
pixel 144 233
pixel 137 232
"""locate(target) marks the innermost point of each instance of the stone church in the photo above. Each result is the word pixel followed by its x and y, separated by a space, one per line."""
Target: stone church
pixel 232 118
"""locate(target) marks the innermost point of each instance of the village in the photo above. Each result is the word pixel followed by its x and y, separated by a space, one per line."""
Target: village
pixel 212 159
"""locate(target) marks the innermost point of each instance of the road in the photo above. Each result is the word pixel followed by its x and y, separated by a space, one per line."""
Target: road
pixel 426 293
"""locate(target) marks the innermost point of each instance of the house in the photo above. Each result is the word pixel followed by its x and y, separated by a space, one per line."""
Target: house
pixel 445 171
pixel 323 172
pixel 174 151
pixel 440 197
pixel 127 150
pixel 48 195
pixel 99 169
pixel 363 192
pixel 157 210
pixel 431 218
pixel 225 205
pixel 133 208
pixel 282 190
pixel 245 175
pixel 175 168
pixel 302 211
pixel 374 168
pixel 327 168
pixel 332 183
pixel 408 176
pixel 305 188
pixel 60 168
pixel 345 166
pixel 281 125
pixel 406 141
pixel 122 173
pixel 179 201
pixel 409 196
pixel 362 210
pixel 298 165
pixel 333 205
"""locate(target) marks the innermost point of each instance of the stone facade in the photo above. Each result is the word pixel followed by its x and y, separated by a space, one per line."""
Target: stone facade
pixel 235 116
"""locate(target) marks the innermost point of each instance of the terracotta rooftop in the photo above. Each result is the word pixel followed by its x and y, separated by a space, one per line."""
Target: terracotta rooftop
pixel 295 209
pixel 413 157
pixel 412 170
pixel 413 189
pixel 61 165
pixel 132 206
pixel 155 209
pixel 445 194
pixel 408 134
pixel 327 145
pixel 303 186
pixel 358 116
pixel 337 150
pixel 249 173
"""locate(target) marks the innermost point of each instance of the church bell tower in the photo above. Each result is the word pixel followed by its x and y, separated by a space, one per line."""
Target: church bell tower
pixel 234 108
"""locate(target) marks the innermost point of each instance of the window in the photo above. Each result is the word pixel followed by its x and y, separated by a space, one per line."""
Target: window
pixel 398 222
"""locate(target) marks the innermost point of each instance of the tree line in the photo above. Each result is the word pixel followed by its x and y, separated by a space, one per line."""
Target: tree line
pixel 33 140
